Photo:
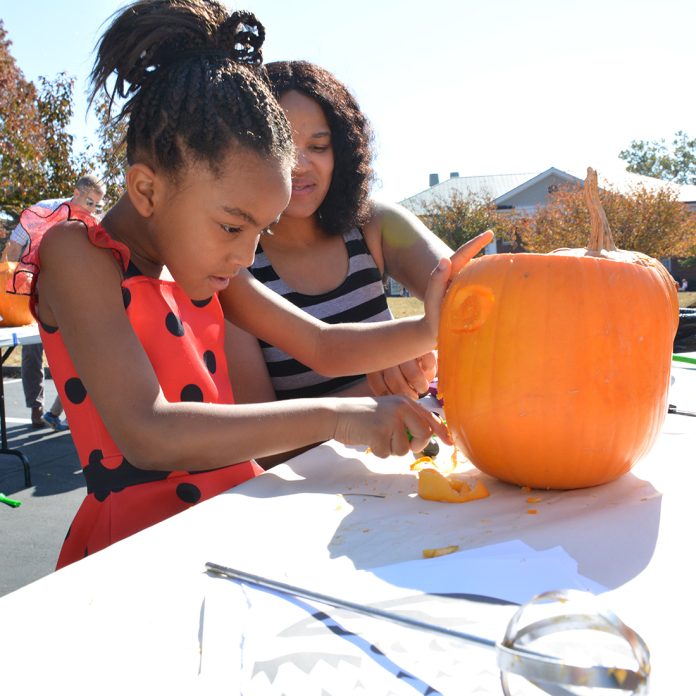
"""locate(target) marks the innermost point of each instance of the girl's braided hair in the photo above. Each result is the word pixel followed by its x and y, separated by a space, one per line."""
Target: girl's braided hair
pixel 346 204
pixel 192 78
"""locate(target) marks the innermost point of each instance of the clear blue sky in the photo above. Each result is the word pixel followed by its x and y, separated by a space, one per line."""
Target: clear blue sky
pixel 478 87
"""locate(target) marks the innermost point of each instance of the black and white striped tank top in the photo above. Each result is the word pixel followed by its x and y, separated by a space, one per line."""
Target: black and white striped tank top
pixel 360 297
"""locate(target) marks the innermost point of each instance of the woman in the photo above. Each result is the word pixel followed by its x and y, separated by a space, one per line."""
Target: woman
pixel 332 245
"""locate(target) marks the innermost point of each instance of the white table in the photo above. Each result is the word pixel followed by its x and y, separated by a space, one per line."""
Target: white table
pixel 19 335
pixel 10 338
pixel 143 614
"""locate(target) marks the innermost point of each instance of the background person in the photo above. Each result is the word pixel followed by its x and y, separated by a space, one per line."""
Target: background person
pixel 88 194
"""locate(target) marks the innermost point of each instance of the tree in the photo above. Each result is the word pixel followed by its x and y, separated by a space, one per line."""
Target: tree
pixel 21 140
pixel 458 218
pixel 653 222
pixel 61 167
pixel 36 151
pixel 111 149
pixel 656 159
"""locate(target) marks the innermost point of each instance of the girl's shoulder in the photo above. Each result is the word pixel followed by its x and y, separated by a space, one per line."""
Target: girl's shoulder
pixel 75 241
pixel 64 239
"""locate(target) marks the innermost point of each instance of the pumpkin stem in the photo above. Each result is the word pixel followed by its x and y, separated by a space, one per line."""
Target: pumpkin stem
pixel 600 237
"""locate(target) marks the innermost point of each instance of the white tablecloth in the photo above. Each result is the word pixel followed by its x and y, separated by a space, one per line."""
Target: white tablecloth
pixel 143 614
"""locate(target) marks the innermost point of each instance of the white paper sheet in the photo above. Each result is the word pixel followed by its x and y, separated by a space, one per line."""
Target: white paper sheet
pixel 269 643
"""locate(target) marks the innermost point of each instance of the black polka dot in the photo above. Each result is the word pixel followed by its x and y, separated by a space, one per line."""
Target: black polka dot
pixel 202 303
pixel 48 329
pixel 103 481
pixel 86 553
pixel 174 325
pixel 192 392
pixel 75 390
pixel 126 297
pixel 132 270
pixel 188 493
pixel 210 361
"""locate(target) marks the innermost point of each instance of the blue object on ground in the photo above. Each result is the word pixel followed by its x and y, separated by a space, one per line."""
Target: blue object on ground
pixel 55 422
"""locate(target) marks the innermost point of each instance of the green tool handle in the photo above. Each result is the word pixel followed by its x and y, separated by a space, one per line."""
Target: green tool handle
pixel 9 501
pixel 684 358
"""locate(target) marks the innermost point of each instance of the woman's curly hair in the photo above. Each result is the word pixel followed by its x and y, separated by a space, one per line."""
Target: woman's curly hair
pixel 346 204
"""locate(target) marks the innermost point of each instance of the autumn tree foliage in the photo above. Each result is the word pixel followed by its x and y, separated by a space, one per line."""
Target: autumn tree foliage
pixel 37 160
pixel 111 150
pixel 21 140
pixel 651 221
pixel 457 218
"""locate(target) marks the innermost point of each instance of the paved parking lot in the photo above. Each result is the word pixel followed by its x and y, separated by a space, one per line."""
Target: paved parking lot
pixel 31 535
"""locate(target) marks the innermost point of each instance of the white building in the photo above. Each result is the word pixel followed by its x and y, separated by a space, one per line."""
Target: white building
pixel 523 193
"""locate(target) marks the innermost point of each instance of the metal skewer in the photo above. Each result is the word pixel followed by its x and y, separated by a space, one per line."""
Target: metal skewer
pixel 512 654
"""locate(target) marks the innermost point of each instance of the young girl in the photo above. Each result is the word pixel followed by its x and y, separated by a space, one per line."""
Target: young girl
pixel 128 309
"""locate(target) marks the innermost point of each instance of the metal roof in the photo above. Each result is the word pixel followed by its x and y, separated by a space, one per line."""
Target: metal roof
pixel 500 187
pixel 490 186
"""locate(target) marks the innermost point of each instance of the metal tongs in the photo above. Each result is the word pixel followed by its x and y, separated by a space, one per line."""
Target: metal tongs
pixel 571 610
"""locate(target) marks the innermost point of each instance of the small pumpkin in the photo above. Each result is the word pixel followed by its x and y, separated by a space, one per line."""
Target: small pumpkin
pixel 554 368
pixel 14 308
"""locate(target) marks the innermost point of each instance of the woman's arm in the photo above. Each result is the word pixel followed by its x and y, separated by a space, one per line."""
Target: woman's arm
pixel 408 250
pixel 403 246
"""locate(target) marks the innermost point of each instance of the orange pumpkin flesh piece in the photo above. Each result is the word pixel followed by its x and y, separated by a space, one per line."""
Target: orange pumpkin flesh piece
pixel 564 385
pixel 432 485
pixel 442 551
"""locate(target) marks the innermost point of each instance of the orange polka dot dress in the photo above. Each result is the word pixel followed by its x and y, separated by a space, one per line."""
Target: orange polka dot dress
pixel 184 341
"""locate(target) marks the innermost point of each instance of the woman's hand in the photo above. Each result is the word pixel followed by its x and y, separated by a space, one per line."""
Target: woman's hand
pixel 411 378
pixel 391 425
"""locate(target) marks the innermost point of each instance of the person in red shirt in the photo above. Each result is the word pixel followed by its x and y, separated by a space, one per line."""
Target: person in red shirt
pixel 87 194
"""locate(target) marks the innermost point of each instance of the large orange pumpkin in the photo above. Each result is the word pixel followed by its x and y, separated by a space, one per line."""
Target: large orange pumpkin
pixel 14 308
pixel 554 368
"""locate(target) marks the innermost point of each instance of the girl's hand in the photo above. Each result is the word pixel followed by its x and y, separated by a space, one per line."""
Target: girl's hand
pixel 386 424
pixel 441 277
pixel 411 378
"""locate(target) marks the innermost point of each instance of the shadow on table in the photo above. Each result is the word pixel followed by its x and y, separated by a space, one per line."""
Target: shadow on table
pixel 53 461
pixel 610 531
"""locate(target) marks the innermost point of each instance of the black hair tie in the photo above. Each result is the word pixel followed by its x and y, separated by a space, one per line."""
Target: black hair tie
pixel 249 35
